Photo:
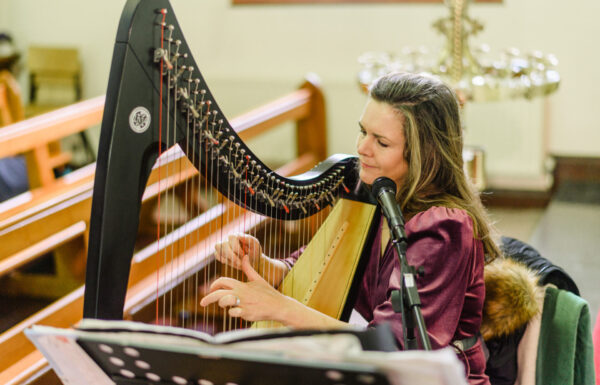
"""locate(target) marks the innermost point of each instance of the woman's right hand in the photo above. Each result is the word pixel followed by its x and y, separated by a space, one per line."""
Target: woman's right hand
pixel 232 251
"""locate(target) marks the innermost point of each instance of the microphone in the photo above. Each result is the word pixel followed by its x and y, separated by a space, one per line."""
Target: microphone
pixel 384 190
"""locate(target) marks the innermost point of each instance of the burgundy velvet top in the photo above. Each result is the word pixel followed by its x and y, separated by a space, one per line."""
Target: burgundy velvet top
pixel 452 290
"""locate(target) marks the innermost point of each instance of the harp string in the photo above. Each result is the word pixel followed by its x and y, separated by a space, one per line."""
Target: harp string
pixel 248 190
pixel 186 208
pixel 165 229
pixel 171 132
pixel 213 307
pixel 227 321
pixel 203 193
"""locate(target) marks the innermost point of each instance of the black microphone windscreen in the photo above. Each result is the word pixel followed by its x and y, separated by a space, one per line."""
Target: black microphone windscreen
pixel 383 183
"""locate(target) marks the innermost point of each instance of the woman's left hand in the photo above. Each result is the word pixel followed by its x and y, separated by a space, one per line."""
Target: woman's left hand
pixel 254 300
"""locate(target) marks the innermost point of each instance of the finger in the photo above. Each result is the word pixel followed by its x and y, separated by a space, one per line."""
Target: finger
pixel 235 312
pixel 222 252
pixel 213 297
pixel 227 256
pixel 229 300
pixel 249 270
pixel 250 244
pixel 224 283
pixel 237 245
pixel 231 257
pixel 219 253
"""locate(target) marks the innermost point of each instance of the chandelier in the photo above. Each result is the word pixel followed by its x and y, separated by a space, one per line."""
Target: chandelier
pixel 474 74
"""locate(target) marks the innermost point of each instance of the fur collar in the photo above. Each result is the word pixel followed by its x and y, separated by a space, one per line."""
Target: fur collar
pixel 511 298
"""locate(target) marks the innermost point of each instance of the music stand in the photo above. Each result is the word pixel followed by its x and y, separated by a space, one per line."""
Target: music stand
pixel 219 367
pixel 130 357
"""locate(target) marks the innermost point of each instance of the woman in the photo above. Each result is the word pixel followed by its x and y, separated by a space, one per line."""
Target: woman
pixel 410 132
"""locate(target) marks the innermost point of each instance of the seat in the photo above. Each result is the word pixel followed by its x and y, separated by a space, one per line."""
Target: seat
pixel 55 81
pixel 565 353
pixel 54 78
pixel 553 346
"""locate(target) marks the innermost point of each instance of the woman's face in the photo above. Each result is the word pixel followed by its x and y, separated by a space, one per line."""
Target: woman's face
pixel 381 143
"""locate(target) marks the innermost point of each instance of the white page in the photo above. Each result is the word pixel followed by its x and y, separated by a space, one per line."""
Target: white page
pixel 70 362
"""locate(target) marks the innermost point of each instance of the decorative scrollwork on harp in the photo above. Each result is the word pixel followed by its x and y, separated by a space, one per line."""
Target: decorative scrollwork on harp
pixel 156 99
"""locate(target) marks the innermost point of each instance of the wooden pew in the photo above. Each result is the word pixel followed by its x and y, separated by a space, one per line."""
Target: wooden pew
pixel 62 227
pixel 30 224
pixel 22 363
pixel 34 136
pixel 38 138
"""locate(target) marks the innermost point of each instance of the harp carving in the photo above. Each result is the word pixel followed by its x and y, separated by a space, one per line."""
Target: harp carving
pixel 157 99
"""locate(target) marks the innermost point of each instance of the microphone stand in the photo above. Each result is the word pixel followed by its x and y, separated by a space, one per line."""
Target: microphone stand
pixel 407 298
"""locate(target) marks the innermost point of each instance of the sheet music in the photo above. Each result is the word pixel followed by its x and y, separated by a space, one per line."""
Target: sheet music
pixel 70 362
pixel 417 366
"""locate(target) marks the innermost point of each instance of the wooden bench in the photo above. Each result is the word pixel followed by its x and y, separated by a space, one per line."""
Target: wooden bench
pixel 31 224
pixel 33 136
pixel 61 226
pixel 38 138
pixel 22 363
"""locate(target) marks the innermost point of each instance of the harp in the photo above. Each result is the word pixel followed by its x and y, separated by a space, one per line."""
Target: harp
pixel 158 100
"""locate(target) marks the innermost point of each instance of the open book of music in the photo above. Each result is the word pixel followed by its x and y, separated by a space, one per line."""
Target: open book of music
pixel 123 352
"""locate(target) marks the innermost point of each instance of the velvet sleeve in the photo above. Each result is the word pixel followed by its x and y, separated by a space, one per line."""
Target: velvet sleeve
pixel 441 241
pixel 291 260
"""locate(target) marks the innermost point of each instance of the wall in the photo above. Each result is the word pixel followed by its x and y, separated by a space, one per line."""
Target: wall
pixel 250 54
pixel 3 15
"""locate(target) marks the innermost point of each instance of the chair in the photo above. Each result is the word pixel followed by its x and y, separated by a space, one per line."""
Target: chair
pixel 565 352
pixel 552 347
pixel 55 81
pixel 54 78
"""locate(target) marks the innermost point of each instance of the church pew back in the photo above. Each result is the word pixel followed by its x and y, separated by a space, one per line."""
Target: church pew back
pixel 37 138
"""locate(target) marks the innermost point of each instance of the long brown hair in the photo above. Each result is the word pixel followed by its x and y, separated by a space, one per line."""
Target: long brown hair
pixel 434 145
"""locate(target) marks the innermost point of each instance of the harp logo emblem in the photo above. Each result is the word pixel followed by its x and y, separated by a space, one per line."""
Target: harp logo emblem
pixel 139 119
